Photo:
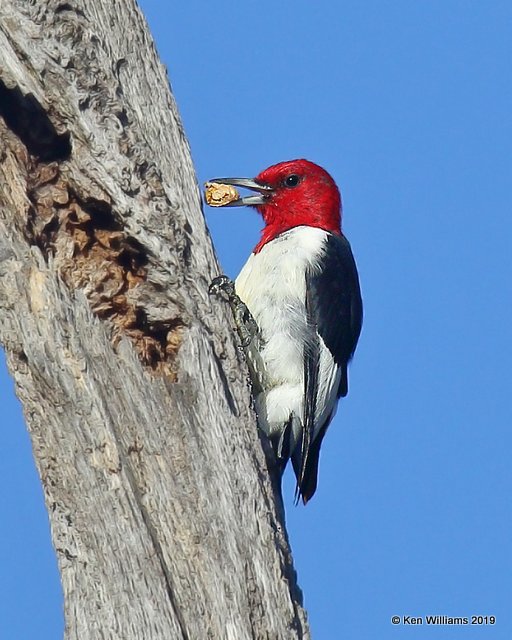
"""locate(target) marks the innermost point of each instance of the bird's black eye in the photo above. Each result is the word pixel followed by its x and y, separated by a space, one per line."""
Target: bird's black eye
pixel 291 180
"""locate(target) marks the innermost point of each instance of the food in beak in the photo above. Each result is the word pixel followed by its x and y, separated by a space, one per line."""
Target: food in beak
pixel 219 195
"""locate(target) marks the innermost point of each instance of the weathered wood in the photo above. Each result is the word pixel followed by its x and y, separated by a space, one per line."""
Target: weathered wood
pixel 162 513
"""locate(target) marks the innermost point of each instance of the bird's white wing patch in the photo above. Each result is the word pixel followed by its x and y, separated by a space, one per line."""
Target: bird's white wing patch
pixel 328 383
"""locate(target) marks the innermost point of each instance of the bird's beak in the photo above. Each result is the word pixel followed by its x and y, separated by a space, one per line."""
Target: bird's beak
pixel 247 183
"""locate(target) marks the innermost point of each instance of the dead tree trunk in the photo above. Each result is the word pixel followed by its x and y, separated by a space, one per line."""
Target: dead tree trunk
pixel 162 514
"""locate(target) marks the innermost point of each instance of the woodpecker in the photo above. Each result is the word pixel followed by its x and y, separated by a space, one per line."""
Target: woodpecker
pixel 297 303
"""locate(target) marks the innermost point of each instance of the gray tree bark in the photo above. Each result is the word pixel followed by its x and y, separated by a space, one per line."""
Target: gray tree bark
pixel 163 517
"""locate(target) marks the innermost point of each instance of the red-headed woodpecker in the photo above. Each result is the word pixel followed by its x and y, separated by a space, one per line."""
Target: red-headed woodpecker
pixel 301 287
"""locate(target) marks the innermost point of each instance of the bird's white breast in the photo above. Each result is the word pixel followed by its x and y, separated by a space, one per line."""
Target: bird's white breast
pixel 273 286
pixel 278 270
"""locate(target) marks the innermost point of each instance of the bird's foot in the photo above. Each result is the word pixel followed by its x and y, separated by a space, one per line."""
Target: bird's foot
pixel 222 285
pixel 245 323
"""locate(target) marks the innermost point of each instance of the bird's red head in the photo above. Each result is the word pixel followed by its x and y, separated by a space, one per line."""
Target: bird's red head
pixel 291 194
pixel 302 193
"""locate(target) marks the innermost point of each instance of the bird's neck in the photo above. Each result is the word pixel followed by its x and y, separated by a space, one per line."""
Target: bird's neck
pixel 271 231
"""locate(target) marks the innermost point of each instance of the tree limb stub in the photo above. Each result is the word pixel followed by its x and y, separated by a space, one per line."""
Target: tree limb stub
pixel 162 512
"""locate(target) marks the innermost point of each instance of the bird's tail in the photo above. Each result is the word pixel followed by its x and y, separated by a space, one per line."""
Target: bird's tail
pixel 305 466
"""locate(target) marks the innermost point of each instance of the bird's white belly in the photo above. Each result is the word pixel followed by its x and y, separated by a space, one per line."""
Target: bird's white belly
pixel 273 286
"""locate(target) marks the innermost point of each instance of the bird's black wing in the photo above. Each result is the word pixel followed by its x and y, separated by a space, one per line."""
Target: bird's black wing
pixel 335 303
pixel 334 308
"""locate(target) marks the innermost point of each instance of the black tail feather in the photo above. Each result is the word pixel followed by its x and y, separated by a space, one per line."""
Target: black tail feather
pixel 307 474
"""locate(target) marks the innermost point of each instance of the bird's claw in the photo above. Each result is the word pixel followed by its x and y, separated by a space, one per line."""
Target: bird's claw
pixel 220 285
pixel 245 323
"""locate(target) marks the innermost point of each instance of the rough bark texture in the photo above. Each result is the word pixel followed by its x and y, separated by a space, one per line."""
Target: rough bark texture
pixel 162 513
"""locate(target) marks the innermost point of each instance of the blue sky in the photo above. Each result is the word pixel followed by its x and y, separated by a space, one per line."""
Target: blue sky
pixel 408 105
